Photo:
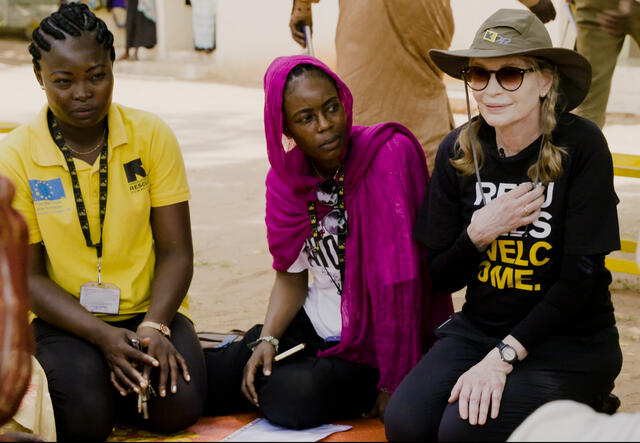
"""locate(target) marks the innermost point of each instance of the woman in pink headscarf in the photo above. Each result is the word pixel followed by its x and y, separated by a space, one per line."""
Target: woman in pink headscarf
pixel 341 205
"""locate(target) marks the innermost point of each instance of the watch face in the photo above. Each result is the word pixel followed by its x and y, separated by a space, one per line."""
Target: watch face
pixel 509 354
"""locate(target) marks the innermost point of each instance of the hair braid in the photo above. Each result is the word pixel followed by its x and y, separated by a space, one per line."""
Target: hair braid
pixel 549 165
pixel 304 68
pixel 71 19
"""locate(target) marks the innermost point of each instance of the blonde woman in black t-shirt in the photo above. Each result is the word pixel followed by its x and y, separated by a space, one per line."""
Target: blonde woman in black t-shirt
pixel 521 210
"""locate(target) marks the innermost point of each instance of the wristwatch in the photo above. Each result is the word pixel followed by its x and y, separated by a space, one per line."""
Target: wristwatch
pixel 164 329
pixel 268 338
pixel 507 353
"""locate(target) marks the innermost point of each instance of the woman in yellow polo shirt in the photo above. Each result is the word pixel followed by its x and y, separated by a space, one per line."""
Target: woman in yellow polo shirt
pixel 104 192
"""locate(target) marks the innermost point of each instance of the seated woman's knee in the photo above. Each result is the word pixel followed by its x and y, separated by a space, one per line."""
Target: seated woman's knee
pixel 404 422
pixel 178 411
pixel 86 418
pixel 291 399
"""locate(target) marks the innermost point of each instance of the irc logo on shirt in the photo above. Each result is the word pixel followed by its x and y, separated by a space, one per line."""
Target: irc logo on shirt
pixel 48 190
pixel 136 175
pixel 134 169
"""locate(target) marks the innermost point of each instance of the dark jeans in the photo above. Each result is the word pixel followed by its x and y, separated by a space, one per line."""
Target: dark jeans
pixel 302 391
pixel 578 368
pixel 85 403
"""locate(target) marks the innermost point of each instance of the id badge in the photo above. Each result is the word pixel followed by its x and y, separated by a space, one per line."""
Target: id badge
pixel 100 298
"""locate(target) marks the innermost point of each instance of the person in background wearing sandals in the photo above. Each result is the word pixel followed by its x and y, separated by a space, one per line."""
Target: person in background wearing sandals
pixel 521 210
pixel 104 192
pixel 341 206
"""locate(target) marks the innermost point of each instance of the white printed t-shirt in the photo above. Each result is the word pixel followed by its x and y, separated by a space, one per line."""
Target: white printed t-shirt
pixel 322 304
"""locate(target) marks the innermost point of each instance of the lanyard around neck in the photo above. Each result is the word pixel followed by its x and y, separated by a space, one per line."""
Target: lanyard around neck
pixel 342 236
pixel 58 137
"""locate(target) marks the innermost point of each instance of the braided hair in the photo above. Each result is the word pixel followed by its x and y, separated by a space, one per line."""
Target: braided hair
pixel 71 19
pixel 304 68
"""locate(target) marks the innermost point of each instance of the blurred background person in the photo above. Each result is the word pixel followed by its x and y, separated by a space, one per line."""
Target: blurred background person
pixel 602 26
pixel 141 27
pixel 204 20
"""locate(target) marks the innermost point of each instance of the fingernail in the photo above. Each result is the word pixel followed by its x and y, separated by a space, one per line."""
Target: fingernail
pixel 163 393
pixel 188 377
pixel 156 363
pixel 267 372
pixel 143 384
pixel 136 390
pixel 123 393
pixel 174 389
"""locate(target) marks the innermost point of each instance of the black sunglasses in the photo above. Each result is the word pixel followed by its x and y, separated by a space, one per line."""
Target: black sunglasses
pixel 327 192
pixel 508 77
pixel 335 222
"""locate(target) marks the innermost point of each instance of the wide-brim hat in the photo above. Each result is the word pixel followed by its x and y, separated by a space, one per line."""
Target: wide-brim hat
pixel 511 32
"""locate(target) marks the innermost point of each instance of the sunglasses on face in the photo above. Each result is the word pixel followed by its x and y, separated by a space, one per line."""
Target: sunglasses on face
pixel 508 77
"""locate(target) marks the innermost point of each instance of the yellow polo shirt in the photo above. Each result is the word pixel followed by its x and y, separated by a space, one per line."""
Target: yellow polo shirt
pixel 146 170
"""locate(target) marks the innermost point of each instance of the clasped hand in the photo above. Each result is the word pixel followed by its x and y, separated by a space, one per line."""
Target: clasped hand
pixel 518 207
pixel 131 367
pixel 481 387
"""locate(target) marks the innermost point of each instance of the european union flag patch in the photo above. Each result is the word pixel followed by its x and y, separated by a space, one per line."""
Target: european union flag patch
pixel 47 189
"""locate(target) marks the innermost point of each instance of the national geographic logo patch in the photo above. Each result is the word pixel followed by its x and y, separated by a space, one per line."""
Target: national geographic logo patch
pixel 136 175
pixel 494 37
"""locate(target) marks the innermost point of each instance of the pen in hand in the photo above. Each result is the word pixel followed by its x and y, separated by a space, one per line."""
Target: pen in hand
pixel 289 352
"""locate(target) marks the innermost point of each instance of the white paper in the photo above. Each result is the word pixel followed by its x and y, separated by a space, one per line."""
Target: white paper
pixel 261 429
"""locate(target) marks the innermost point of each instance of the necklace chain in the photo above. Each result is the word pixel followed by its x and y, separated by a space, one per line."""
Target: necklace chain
pixel 98 146
pixel 315 170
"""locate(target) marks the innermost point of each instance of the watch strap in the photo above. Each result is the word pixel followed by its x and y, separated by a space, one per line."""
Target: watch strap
pixel 164 329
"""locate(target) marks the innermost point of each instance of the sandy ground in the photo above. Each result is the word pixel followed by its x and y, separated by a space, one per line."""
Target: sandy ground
pixel 220 130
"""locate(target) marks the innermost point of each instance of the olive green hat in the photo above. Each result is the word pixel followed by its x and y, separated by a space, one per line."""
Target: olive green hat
pixel 519 32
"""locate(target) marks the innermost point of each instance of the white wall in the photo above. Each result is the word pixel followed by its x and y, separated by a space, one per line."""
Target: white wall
pixel 251 33
pixel 174 19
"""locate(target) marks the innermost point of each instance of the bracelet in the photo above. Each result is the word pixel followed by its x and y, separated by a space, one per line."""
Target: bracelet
pixel 164 329
pixel 267 338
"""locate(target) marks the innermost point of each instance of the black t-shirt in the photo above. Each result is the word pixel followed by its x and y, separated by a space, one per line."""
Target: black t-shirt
pixel 524 267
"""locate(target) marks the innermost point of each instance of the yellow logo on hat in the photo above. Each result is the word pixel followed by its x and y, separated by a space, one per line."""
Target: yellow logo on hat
pixel 490 36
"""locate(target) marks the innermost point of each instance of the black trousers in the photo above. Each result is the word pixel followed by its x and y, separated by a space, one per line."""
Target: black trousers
pixel 578 368
pixel 302 391
pixel 86 405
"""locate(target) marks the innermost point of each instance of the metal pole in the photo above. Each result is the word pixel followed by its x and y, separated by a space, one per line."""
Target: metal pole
pixel 309 40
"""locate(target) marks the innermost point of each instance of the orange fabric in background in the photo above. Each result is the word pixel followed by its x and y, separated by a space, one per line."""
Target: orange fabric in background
pixel 382 50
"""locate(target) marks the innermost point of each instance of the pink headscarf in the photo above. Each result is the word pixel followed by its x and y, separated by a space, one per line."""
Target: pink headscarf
pixel 388 312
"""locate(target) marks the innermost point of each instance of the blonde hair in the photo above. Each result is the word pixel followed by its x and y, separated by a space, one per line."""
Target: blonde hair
pixel 549 165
